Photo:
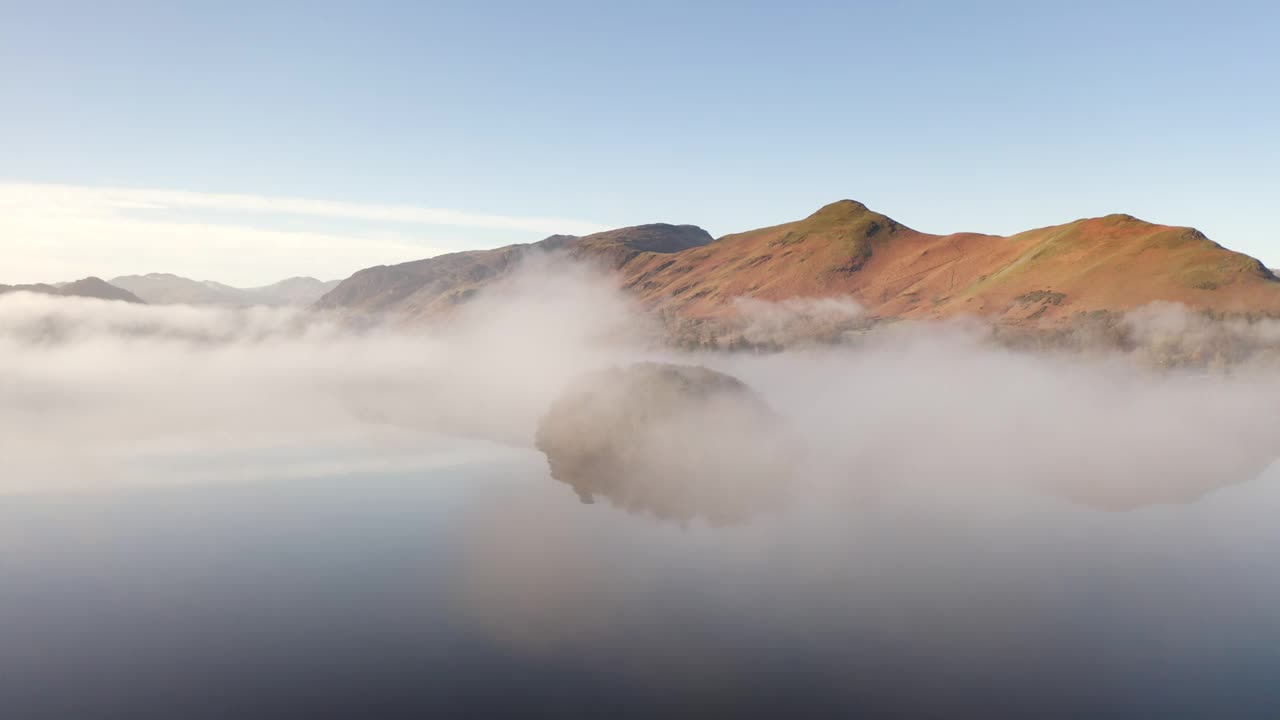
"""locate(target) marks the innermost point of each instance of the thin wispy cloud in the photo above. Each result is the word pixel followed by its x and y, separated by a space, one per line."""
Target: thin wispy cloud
pixel 58 232
pixel 106 198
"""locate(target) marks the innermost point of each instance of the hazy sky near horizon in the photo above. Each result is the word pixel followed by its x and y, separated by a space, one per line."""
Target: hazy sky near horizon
pixel 246 142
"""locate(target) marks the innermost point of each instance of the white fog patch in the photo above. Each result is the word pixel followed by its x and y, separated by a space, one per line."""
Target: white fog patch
pixel 89 390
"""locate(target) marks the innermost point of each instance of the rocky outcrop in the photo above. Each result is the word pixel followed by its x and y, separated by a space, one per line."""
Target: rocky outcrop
pixel 676 441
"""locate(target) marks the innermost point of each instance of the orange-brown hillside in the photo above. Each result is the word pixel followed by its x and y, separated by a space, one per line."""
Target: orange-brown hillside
pixel 1112 263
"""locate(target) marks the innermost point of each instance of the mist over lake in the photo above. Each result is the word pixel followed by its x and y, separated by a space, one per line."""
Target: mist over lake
pixel 211 512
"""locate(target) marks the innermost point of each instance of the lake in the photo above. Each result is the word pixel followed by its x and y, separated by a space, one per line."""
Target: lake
pixel 476 584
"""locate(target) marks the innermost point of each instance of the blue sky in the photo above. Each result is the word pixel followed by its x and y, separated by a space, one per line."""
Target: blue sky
pixel 388 117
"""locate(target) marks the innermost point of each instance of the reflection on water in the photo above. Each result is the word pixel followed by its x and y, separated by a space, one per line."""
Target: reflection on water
pixel 488 587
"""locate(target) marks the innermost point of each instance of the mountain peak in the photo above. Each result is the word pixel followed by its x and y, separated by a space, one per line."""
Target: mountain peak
pixel 841 207
pixel 1117 218
pixel 96 287
pixel 660 237
pixel 846 217
pixel 840 210
pixel 91 287
pixel 654 237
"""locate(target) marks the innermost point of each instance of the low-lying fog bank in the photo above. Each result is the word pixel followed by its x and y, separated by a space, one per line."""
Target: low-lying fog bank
pixel 89 388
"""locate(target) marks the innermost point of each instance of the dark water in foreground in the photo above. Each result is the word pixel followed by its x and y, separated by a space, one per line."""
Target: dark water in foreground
pixel 486 588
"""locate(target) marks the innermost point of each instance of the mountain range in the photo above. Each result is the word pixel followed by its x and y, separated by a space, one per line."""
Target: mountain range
pixel 1041 276
pixel 168 289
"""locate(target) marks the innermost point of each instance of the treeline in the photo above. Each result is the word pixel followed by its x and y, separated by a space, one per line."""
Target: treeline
pixel 753 334
pixel 1158 336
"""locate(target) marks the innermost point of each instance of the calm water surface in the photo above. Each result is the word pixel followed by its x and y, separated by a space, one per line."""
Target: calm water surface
pixel 483 586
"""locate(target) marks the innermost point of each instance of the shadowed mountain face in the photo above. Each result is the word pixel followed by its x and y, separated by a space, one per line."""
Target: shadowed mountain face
pixel 90 287
pixel 428 287
pixel 168 289
pixel 1113 263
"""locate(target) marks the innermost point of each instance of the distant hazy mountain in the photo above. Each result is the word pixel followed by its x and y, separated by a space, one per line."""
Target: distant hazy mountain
pixel 88 287
pixel 169 289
